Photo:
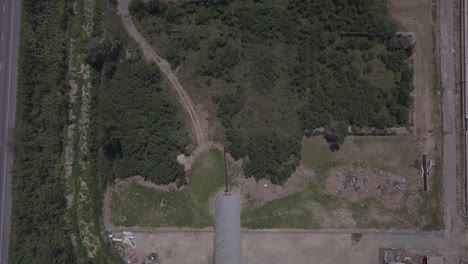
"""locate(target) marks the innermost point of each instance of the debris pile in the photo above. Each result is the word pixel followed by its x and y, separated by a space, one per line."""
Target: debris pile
pixel 350 179
pixel 418 165
pixel 125 245
pixel 355 184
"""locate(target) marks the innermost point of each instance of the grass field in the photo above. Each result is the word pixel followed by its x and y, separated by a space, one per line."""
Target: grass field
pixel 392 154
pixel 136 205
pixel 312 207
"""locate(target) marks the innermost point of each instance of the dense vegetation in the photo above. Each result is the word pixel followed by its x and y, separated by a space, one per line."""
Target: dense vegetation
pixel 127 122
pixel 38 233
pixel 285 68
pixel 135 127
pixel 140 131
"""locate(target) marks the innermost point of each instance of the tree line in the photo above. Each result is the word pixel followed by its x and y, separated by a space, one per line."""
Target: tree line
pixel 139 127
pixel 38 228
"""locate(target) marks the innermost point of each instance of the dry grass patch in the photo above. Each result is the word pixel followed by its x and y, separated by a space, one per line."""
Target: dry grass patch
pixel 377 161
pixel 133 204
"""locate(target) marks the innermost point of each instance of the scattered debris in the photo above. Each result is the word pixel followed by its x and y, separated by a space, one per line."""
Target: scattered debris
pixel 126 245
pixel 429 166
pixel 420 166
pixel 356 183
pixel 398 185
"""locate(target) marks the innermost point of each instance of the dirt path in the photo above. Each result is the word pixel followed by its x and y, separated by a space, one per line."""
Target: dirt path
pixel 420 23
pixel 284 246
pixel 165 67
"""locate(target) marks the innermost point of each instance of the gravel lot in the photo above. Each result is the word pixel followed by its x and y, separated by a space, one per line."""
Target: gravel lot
pixel 281 248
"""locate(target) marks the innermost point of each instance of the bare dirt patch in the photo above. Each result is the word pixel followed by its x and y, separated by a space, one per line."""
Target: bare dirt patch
pixel 281 248
pixel 106 214
pixel 356 184
pixel 416 17
pixel 188 161
pixel 260 192
pixel 140 180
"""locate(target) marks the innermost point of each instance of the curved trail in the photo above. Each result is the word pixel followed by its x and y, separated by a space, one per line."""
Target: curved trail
pixel 165 67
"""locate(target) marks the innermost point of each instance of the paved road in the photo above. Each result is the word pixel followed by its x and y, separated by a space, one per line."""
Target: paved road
pixel 9 33
pixel 454 230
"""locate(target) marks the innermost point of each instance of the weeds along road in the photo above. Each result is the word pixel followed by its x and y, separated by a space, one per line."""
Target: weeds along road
pixel 165 67
pixel 9 33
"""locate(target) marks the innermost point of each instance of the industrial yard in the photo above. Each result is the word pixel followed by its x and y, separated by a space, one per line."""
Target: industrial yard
pixel 279 247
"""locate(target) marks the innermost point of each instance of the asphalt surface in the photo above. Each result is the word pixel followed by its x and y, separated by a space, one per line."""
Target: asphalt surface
pixel 454 229
pixel 9 34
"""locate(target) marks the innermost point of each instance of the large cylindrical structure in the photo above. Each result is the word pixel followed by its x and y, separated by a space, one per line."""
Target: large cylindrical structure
pixel 227 240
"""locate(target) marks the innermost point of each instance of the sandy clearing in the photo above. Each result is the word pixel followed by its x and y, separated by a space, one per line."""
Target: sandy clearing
pixel 281 248
pixel 416 17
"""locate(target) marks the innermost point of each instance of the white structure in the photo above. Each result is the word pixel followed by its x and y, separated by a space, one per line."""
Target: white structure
pixel 127 239
pixel 227 240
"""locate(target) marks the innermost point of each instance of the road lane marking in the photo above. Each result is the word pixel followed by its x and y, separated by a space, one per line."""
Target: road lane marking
pixel 1 66
pixel 3 8
pixel 6 134
pixel 2 36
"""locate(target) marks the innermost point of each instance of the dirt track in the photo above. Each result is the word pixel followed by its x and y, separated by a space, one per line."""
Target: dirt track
pixel 165 67
pixel 282 247
pixel 416 17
